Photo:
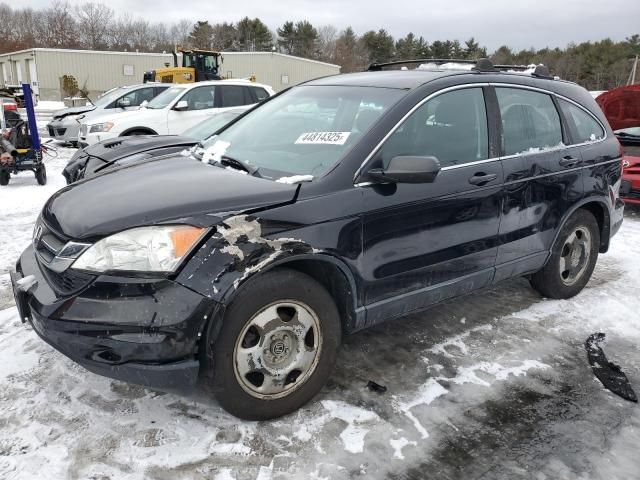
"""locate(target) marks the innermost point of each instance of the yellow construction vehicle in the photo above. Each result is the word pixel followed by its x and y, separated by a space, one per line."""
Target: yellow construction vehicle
pixel 197 65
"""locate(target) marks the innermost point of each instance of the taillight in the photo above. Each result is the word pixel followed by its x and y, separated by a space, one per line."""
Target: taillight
pixel 10 106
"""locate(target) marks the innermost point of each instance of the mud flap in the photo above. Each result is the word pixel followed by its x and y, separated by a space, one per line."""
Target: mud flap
pixel 607 372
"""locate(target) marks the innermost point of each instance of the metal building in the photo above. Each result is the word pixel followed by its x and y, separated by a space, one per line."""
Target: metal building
pixel 98 71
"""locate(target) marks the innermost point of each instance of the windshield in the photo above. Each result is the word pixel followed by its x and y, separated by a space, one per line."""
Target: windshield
pixel 165 98
pixel 109 97
pixel 304 131
pixel 210 126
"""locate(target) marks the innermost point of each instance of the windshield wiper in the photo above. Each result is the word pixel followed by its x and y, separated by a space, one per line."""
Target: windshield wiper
pixel 239 165
pixel 627 134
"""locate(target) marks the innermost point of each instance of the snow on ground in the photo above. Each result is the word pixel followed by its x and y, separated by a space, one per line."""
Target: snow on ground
pixel 494 385
pixel 48 105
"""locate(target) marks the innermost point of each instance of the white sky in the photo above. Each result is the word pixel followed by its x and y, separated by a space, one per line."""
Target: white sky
pixel 518 23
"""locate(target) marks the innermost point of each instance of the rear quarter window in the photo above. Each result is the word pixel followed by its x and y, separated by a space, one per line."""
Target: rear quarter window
pixel 586 128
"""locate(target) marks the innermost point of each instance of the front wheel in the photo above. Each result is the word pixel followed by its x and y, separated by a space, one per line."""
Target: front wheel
pixel 573 258
pixel 4 177
pixel 41 175
pixel 277 346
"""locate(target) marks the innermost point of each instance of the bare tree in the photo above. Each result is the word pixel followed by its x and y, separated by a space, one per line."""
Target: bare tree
pixel 327 37
pixel 57 26
pixel 94 19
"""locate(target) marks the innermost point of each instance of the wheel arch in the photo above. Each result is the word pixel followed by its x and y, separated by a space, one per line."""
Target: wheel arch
pixel 146 130
pixel 600 210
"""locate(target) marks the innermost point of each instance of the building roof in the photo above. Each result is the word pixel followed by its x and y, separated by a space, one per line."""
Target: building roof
pixel 148 54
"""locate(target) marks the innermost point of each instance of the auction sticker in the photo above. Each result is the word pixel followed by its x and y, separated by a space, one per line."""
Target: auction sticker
pixel 323 138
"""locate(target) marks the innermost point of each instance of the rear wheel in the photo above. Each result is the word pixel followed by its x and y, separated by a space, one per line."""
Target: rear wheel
pixel 572 260
pixel 41 175
pixel 277 346
pixel 4 177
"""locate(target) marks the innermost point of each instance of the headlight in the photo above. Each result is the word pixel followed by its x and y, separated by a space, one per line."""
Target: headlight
pixel 144 249
pixel 101 127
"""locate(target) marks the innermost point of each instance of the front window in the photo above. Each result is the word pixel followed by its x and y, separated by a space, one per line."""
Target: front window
pixel 165 98
pixel 451 127
pixel 108 97
pixel 304 131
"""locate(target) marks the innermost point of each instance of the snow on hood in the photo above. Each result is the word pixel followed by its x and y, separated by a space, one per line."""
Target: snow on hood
pixel 295 179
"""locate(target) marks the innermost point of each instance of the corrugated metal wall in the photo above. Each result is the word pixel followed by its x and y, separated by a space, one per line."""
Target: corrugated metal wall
pixel 100 71
pixel 274 68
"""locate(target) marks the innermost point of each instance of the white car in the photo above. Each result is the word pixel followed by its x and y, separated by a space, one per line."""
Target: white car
pixel 65 124
pixel 176 109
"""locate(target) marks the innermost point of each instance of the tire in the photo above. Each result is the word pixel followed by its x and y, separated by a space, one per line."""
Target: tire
pixel 41 175
pixel 573 258
pixel 134 133
pixel 4 178
pixel 279 302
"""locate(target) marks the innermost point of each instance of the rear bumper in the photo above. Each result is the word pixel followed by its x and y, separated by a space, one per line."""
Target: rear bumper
pixel 142 331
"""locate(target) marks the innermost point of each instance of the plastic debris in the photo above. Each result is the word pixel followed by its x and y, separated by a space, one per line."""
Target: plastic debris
pixel 610 374
pixel 375 387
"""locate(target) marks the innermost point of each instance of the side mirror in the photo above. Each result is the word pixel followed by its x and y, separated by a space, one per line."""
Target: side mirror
pixel 181 105
pixel 144 103
pixel 407 169
pixel 124 102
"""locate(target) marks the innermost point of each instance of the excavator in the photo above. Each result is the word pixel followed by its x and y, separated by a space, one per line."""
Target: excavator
pixel 197 66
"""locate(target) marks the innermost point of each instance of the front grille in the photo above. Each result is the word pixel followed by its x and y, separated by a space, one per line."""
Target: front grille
pixel 69 281
pixel 47 244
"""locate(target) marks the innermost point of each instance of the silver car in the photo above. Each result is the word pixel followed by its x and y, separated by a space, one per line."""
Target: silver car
pixel 65 124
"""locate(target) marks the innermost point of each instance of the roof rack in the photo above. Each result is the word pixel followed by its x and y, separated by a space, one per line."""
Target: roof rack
pixel 483 65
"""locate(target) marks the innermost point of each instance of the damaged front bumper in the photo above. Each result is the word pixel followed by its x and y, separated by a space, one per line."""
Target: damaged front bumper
pixel 139 330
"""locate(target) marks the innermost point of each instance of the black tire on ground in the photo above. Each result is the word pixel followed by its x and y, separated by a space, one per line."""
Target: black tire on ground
pixel 41 175
pixel 573 258
pixel 137 132
pixel 266 296
pixel 4 178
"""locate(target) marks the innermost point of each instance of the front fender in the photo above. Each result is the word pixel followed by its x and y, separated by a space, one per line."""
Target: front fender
pixel 235 253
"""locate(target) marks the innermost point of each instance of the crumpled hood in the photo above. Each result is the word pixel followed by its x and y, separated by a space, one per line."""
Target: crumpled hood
pixel 166 189
pixel 72 111
pixel 621 106
pixel 114 149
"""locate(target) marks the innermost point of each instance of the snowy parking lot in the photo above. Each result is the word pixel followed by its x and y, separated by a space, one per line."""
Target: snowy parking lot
pixel 493 385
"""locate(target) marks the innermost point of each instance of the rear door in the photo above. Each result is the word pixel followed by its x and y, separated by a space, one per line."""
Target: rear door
pixel 200 104
pixel 231 96
pixel 543 177
pixel 426 242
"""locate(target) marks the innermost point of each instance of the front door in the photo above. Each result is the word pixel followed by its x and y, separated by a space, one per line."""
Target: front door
pixel 200 104
pixel 426 242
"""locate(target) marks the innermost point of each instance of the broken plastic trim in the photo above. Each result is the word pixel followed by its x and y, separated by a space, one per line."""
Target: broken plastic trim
pixel 610 374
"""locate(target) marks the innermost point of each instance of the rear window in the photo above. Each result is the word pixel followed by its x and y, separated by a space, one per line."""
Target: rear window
pixel 260 93
pixel 235 95
pixel 587 129
pixel 530 121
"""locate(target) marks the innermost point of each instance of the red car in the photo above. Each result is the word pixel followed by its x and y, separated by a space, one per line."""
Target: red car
pixel 622 108
pixel 8 104
pixel 630 189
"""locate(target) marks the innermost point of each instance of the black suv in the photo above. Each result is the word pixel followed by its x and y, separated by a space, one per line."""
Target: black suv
pixel 331 207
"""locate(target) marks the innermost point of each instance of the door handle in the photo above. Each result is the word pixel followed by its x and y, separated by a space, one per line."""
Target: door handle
pixel 569 161
pixel 481 179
